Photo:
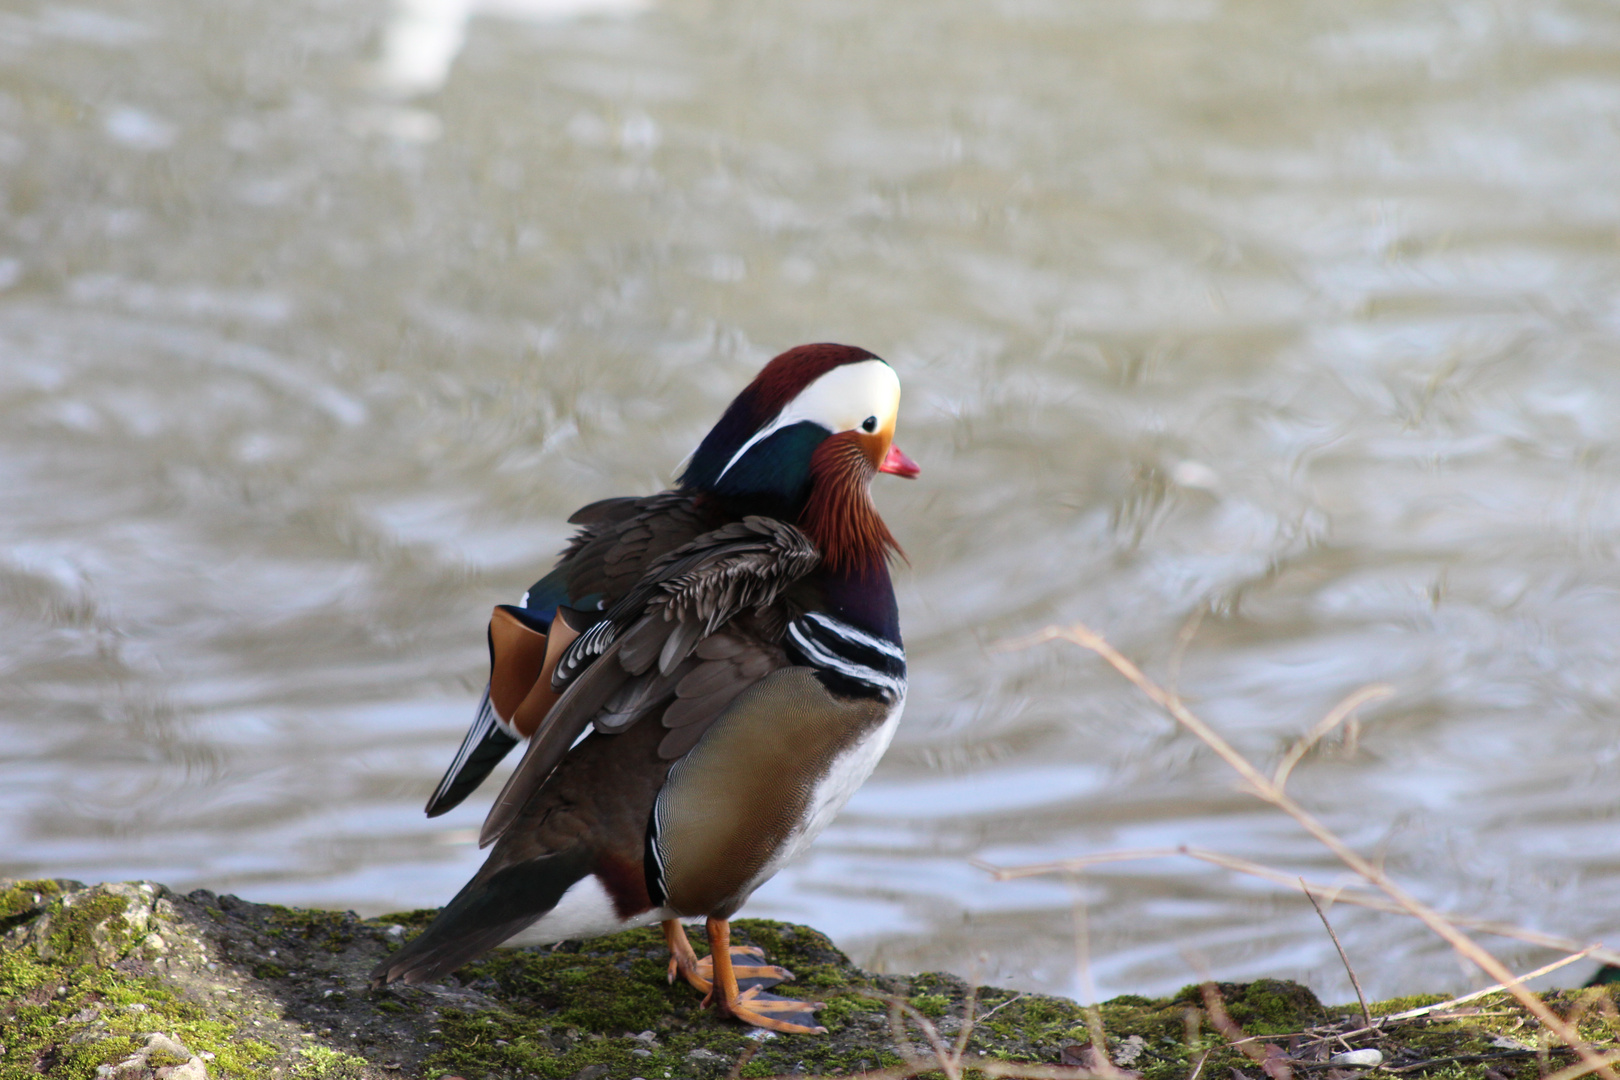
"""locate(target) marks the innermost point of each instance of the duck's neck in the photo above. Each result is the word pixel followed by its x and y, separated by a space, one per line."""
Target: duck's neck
pixel 863 596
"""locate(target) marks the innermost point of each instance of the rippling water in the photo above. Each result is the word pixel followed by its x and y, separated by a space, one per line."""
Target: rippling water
pixel 318 318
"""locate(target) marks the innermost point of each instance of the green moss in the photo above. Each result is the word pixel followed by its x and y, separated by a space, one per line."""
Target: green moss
pixel 74 929
pixel 411 920
pixel 323 1063
pixel 1271 1007
pixel 608 1003
pixel 333 931
pixel 22 897
pixel 43 1023
pixel 1401 1004
pixel 619 985
pixel 836 1012
pixel 159 1057
pixel 1038 1019
pixel 583 1004
pixel 64 1014
pixel 1263 1007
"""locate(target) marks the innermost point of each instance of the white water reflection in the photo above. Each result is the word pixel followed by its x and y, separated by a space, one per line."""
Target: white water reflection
pixel 424 37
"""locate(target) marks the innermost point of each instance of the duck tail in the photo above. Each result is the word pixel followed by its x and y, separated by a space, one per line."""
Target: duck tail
pixel 488 910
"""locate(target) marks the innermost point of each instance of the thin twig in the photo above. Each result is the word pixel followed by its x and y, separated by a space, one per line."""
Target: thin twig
pixel 743 1059
pixel 1003 1005
pixel 1498 988
pixel 944 1060
pixel 1262 788
pixel 970 1006
pixel 1366 1013
pixel 1581 1068
pixel 1088 987
pixel 1341 894
pixel 1333 719
pixel 950 1063
pixel 1198 1068
pixel 1222 1022
pixel 1184 637
pixel 1505 1055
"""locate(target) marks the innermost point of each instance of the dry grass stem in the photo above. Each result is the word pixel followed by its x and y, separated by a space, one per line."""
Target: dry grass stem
pixel 952 1061
pixel 1184 638
pixel 1546 969
pixel 742 1059
pixel 1381 1025
pixel 970 1008
pixel 1333 719
pixel 1222 1022
pixel 1003 1005
pixel 1338 894
pixel 1583 1067
pixel 1263 788
pixel 1366 1013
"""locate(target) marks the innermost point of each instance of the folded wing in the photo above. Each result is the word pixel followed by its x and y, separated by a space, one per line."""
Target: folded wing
pixel 699 626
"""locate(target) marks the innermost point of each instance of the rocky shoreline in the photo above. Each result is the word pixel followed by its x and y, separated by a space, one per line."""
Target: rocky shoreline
pixel 131 981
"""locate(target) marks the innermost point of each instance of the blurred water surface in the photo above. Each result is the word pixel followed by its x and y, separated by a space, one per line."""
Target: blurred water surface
pixel 318 318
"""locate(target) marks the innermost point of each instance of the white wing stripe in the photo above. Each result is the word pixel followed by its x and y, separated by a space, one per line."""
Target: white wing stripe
pixel 481 725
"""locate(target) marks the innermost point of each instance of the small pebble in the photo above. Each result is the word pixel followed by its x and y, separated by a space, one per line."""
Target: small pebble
pixel 1360 1059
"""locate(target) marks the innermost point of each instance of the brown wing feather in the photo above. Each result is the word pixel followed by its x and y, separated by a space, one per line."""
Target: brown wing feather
pixel 712 685
pixel 739 569
pixel 622 538
pixel 698 587
pixel 605 512
pixel 618 541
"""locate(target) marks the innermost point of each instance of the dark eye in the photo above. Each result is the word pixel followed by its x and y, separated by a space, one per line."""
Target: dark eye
pixel 869 424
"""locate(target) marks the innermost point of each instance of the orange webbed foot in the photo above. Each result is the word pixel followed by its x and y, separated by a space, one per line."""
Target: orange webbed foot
pixel 774 1013
pixel 753 1005
pixel 747 964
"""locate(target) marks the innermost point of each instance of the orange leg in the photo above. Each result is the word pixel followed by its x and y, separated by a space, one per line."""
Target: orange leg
pixel 747 962
pixel 682 960
pixel 755 1006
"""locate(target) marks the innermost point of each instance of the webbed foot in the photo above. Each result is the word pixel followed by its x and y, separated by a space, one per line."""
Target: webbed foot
pixel 754 1005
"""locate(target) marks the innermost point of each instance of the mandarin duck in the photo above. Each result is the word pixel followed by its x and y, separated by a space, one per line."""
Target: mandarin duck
pixel 703 680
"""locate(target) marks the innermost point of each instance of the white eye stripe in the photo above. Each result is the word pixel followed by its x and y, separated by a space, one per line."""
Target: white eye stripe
pixel 839 401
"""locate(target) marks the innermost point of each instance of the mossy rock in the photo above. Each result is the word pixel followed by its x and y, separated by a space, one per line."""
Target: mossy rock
pixel 135 977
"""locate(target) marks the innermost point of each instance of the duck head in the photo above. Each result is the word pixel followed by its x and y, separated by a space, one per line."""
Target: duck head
pixel 803 441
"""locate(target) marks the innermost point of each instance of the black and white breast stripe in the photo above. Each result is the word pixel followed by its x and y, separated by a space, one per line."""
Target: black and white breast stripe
pixel 850 661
